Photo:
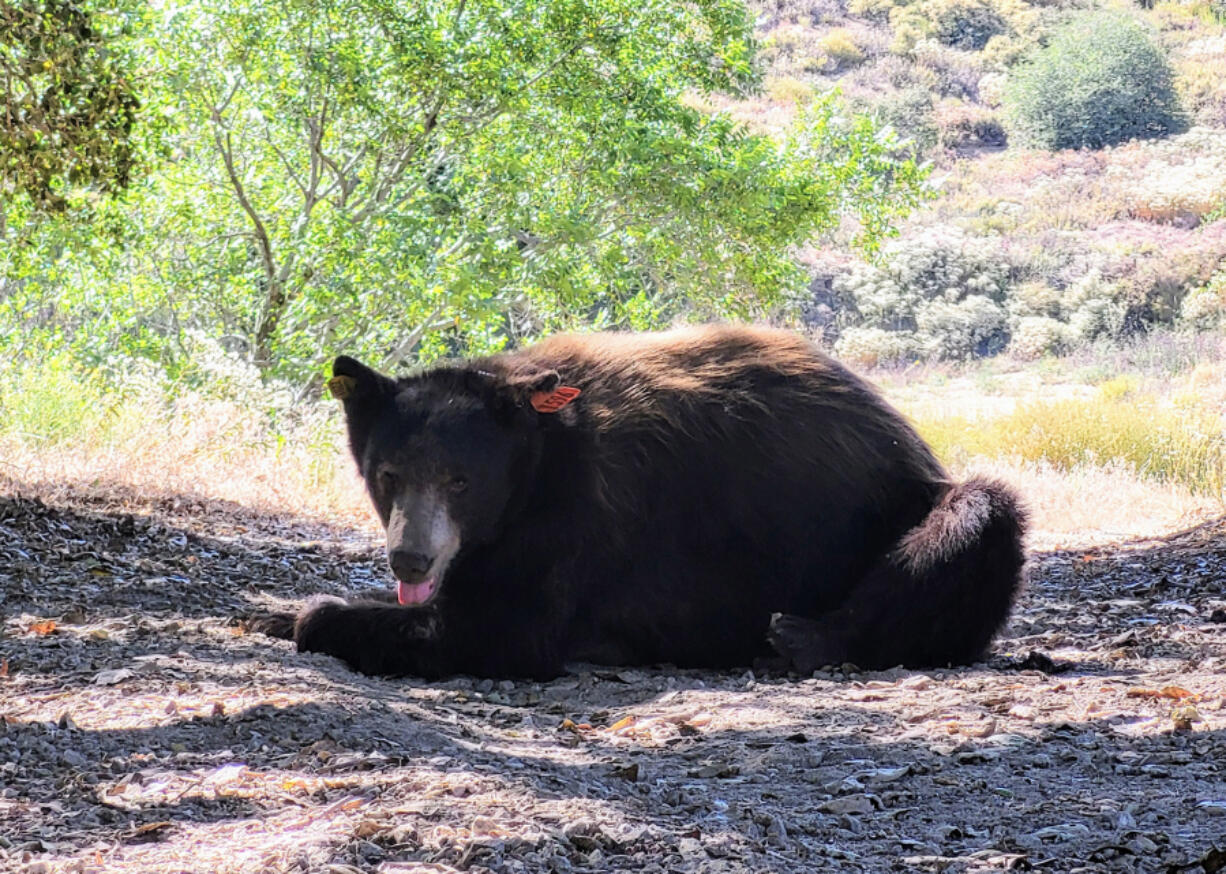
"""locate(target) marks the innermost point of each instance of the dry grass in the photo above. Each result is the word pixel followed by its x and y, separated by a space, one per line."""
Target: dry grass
pixel 65 431
pixel 1099 457
pixel 158 469
pixel 1094 505
pixel 64 428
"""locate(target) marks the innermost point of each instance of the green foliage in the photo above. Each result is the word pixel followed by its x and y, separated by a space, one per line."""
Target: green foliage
pixel 840 47
pixel 1036 336
pixel 69 103
pixel 1204 308
pixel 943 292
pixel 911 113
pixel 1101 80
pixel 964 24
pixel 405 181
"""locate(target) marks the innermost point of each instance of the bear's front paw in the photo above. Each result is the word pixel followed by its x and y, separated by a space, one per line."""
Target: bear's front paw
pixel 334 628
pixel 323 627
pixel 278 625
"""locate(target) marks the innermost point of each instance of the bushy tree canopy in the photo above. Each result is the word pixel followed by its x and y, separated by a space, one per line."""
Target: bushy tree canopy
pixel 69 103
pixel 1102 79
pixel 405 180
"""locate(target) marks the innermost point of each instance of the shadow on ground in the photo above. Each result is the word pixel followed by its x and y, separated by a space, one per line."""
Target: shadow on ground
pixel 144 731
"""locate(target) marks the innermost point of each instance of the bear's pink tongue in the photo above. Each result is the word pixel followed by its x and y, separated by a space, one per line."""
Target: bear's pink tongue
pixel 417 593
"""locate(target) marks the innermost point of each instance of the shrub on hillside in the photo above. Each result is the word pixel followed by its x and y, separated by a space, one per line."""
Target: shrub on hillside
pixel 1098 317
pixel 1036 336
pixel 1003 51
pixel 957 72
pixel 963 125
pixel 889 73
pixel 992 89
pixel 1036 298
pixel 964 24
pixel 1204 309
pixel 873 10
pixel 974 327
pixel 1096 307
pixel 788 89
pixel 1101 80
pixel 874 347
pixel 839 46
pixel 910 25
pixel 1201 82
pixel 941 294
pixel 910 111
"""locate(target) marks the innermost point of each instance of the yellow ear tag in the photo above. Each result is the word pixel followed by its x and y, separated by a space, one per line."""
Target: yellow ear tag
pixel 341 387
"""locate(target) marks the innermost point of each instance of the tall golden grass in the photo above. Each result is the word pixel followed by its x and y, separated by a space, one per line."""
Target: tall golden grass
pixel 1113 460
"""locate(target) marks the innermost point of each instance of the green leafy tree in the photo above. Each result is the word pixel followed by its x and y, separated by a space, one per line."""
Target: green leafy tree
pixel 422 178
pixel 70 105
pixel 409 180
pixel 1101 80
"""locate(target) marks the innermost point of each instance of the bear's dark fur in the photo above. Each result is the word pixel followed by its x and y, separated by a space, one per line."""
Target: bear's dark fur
pixel 710 490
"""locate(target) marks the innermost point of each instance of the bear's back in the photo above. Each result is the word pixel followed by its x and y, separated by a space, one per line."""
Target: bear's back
pixel 715 387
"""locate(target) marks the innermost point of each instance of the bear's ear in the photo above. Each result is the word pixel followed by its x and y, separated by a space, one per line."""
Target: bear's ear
pixel 363 392
pixel 519 392
pixel 354 383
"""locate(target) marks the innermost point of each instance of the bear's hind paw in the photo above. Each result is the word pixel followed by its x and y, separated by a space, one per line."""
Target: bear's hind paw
pixel 805 644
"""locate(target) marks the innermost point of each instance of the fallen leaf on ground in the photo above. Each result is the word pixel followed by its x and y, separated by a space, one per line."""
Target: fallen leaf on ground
pixel 1176 693
pixel 623 723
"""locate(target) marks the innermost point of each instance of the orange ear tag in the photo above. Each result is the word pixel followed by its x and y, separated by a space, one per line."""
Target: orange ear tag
pixel 552 401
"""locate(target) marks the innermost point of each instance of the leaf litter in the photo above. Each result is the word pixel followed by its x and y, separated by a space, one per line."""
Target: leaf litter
pixel 141 730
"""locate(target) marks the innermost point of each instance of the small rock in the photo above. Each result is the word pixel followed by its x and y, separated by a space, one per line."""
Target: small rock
pixel 846 786
pixel 715 769
pixel 856 805
pixel 973 757
pixel 1066 831
pixel 629 772
pixel 690 847
pixel 777 834
pixel 113 676
pixel 1142 845
pixel 881 776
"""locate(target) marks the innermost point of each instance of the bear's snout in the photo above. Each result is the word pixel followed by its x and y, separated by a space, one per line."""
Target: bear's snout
pixel 409 567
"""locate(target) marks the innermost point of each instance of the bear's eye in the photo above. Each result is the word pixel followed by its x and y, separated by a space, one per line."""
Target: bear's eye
pixel 457 484
pixel 388 480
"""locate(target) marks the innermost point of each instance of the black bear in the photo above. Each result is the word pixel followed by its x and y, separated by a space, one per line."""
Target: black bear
pixel 694 497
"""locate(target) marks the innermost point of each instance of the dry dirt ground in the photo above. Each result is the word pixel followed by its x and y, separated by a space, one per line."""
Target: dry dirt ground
pixel 142 730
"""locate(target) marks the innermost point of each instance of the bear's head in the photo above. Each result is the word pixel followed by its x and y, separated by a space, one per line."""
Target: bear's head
pixel 446 456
